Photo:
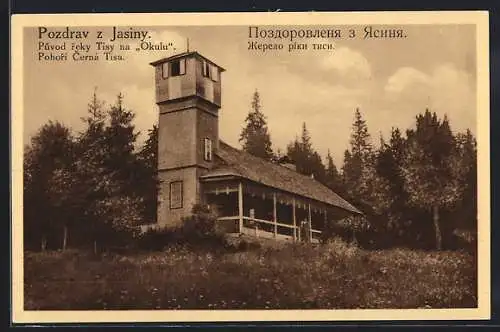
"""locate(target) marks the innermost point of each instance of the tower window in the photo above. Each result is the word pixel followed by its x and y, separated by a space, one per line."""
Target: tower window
pixel 176 195
pixel 210 71
pixel 207 151
pixel 206 69
pixel 175 68
pixel 214 73
pixel 164 70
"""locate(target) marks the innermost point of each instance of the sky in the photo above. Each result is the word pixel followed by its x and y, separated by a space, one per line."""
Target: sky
pixel 389 80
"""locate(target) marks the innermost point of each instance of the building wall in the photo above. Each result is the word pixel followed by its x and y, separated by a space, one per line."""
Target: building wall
pixel 177 86
pixel 190 195
pixel 177 142
pixel 181 157
pixel 207 126
pixel 206 87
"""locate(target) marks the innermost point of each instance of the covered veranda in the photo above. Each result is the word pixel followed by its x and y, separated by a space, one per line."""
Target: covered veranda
pixel 246 207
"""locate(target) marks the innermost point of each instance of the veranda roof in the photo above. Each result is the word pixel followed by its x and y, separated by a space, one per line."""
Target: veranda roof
pixel 234 162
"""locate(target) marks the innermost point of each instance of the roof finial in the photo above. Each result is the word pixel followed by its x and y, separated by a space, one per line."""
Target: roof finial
pixel 187 43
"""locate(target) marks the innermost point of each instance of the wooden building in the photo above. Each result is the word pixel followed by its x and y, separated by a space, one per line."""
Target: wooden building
pixel 252 196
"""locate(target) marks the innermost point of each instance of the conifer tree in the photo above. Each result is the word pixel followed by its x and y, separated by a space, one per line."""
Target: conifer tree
pixel 358 161
pixel 255 137
pixel 332 176
pixel 148 159
pixel 306 159
pixel 104 167
pixel 120 136
pixel 93 176
pixel 388 164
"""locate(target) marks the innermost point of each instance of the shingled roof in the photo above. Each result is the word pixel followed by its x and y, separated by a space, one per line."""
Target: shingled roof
pixel 241 164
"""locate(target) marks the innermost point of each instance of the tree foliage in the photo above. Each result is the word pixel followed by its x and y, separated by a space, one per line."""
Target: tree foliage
pixel 48 166
pixel 415 190
pixel 92 188
pixel 255 137
pixel 148 175
pixel 359 162
pixel 333 177
pixel 432 168
pixel 81 189
pixel 306 159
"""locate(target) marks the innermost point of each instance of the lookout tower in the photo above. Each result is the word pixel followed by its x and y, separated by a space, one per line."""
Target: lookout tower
pixel 188 94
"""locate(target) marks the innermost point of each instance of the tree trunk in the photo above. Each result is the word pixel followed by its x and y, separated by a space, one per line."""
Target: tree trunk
pixel 65 237
pixel 44 242
pixel 435 218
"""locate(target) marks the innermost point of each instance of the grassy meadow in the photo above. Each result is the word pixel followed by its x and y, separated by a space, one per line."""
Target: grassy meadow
pixel 330 276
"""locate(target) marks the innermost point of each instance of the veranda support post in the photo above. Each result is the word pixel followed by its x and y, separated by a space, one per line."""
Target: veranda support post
pixel 275 218
pixel 294 221
pixel 240 206
pixel 326 220
pixel 310 224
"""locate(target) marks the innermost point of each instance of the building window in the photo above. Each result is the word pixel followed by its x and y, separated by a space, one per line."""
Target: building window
pixel 176 195
pixel 173 68
pixel 178 67
pixel 214 73
pixel 205 69
pixel 210 71
pixel 164 70
pixel 182 66
pixel 207 151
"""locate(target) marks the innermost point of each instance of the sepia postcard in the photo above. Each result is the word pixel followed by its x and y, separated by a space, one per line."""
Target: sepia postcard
pixel 238 167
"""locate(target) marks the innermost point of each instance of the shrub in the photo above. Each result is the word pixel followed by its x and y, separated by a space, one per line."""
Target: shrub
pixel 200 224
pixel 349 229
pixel 196 230
pixel 155 239
pixel 462 240
pixel 341 248
pixel 244 245
pixel 199 229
